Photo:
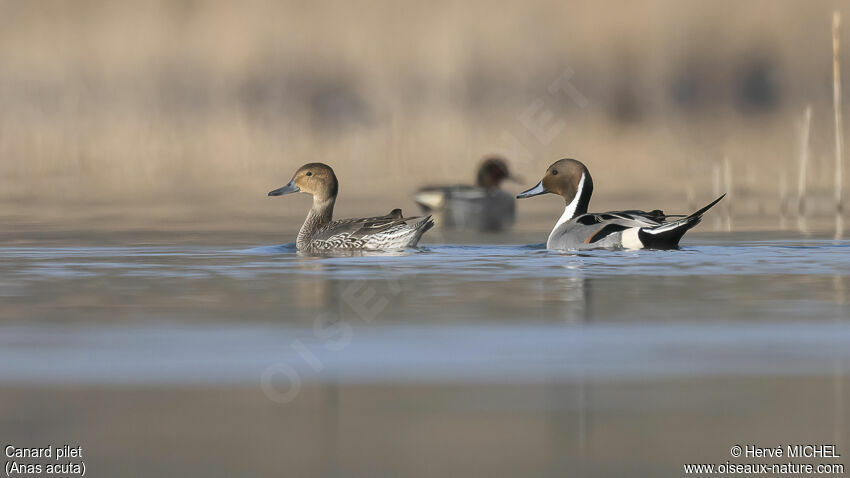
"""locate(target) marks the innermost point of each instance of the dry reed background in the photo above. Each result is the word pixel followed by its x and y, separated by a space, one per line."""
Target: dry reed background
pixel 182 114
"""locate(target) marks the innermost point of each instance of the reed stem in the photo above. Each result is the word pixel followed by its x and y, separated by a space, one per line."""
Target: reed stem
pixel 839 126
pixel 730 193
pixel 804 160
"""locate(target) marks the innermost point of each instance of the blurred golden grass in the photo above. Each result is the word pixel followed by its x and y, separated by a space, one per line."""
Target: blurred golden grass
pixel 167 113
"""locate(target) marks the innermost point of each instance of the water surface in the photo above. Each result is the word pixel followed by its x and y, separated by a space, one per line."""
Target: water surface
pixel 569 360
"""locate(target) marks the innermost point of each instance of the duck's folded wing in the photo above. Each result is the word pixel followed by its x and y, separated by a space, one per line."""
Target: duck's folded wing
pixel 358 228
pixel 434 198
pixel 630 218
pixel 593 227
pixel 656 215
pixel 598 226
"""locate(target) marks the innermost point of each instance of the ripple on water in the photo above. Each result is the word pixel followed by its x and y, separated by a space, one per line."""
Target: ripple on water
pixel 454 312
pixel 487 262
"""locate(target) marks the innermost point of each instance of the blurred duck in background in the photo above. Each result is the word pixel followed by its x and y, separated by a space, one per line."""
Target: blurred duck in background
pixel 482 207
pixel 320 233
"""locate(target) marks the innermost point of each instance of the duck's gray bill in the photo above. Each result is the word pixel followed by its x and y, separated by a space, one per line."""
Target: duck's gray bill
pixel 289 188
pixel 535 191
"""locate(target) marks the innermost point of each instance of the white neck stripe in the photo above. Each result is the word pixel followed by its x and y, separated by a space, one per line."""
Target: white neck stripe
pixel 570 210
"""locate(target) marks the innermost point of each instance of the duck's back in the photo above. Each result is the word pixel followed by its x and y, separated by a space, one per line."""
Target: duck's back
pixel 497 211
pixel 392 231
pixel 601 230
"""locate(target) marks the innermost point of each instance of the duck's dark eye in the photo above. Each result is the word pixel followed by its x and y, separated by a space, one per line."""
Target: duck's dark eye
pixel 309 173
pixel 554 172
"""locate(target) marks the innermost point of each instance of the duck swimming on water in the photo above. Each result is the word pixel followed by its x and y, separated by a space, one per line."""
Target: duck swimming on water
pixel 631 229
pixel 482 207
pixel 321 233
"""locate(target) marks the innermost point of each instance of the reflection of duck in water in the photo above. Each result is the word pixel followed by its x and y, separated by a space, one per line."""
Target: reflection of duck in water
pixel 483 207
pixel 321 233
pixel 632 229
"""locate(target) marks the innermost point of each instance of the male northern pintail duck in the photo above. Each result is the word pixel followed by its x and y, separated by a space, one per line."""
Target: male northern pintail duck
pixel 632 229
pixel 483 207
pixel 321 233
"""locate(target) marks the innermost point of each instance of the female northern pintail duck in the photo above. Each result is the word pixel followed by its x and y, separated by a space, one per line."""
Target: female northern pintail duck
pixel 321 233
pixel 482 207
pixel 632 229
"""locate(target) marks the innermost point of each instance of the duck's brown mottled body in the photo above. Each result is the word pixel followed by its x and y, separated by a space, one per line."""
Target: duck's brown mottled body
pixel 320 233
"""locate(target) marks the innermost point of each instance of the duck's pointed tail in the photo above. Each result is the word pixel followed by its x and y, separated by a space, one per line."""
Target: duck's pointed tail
pixel 667 235
pixel 421 228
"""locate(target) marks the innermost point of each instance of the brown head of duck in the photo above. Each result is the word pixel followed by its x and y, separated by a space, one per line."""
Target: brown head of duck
pixel 492 172
pixel 318 180
pixel 569 179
